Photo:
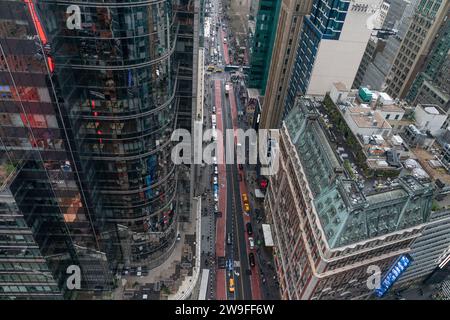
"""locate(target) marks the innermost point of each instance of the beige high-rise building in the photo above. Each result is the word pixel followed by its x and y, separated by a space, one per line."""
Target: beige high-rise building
pixel 415 46
pixel 290 23
pixel 329 230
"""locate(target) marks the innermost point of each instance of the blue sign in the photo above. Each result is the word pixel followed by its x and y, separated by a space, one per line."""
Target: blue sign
pixel 393 274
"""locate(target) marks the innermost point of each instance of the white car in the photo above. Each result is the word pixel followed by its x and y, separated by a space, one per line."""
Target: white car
pixel 214 109
pixel 216 197
pixel 215 180
pixel 251 243
pixel 216 171
pixel 214 160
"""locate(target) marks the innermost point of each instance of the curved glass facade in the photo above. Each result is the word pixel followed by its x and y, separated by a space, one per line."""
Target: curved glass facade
pixel 115 80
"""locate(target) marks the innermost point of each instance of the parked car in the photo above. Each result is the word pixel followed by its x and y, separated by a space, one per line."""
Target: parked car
pixel 251 243
pixel 216 181
pixel 229 240
pixel 216 170
pixel 251 259
pixel 249 228
pixel 241 167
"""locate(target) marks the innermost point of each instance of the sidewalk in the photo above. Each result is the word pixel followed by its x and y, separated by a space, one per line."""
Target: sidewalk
pixel 173 272
pixel 189 283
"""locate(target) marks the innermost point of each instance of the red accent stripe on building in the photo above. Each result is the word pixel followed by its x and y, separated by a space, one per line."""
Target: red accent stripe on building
pixel 36 21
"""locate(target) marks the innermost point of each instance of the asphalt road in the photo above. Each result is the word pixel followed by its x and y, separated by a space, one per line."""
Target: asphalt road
pixel 234 212
pixel 235 223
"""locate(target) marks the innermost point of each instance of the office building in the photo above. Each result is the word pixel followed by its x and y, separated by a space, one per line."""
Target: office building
pixel 415 47
pixel 432 84
pixel 427 251
pixel 46 199
pixel 263 40
pixel 118 77
pixel 290 24
pixel 88 111
pixel 24 271
pixel 331 46
pixel 331 221
pixel 382 47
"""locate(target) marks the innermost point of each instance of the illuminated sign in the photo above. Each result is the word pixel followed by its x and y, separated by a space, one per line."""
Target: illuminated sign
pixel 393 274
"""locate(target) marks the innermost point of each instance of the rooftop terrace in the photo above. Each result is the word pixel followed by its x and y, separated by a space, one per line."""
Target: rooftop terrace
pixel 351 206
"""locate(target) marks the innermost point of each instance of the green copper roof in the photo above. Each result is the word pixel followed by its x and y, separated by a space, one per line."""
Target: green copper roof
pixel 346 213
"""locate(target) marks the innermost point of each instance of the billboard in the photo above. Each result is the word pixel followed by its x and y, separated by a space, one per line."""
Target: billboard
pixel 393 274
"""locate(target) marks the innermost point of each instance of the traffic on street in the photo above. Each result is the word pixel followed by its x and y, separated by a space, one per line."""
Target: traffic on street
pixel 239 266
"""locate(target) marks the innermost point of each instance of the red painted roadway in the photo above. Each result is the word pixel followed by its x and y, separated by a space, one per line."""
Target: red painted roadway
pixel 254 279
pixel 221 285
pixel 225 48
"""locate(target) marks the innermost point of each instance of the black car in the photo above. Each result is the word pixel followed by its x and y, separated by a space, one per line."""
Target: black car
pixel 251 259
pixel 249 228
pixel 241 167
pixel 221 262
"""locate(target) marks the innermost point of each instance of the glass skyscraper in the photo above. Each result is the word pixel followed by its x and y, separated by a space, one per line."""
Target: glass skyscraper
pixel 115 83
pixel 47 220
pixel 87 111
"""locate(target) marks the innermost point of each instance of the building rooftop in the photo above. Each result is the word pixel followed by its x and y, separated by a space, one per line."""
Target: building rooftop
pixel 364 118
pixel 340 86
pixel 253 93
pixel 351 207
pixel 432 109
pixel 391 108
pixel 427 161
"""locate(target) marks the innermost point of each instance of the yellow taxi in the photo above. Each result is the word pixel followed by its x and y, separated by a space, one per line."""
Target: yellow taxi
pixel 244 197
pixel 246 207
pixel 231 285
